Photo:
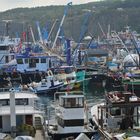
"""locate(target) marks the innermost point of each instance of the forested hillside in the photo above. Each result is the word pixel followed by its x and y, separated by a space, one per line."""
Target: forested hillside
pixel 117 13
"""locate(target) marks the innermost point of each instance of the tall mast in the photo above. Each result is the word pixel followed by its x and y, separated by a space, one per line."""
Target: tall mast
pixel 39 32
pixel 7 26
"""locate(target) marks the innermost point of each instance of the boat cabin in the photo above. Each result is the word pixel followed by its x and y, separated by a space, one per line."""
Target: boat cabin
pixel 70 113
pixel 96 57
pixel 8 48
pixel 120 111
pixel 35 63
pixel 65 74
pixel 26 109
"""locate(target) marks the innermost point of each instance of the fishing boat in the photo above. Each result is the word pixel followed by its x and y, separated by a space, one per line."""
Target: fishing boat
pixel 70 116
pixel 18 108
pixel 67 75
pixel 71 78
pixel 131 81
pixel 8 49
pixel 49 85
pixel 31 63
pixel 118 115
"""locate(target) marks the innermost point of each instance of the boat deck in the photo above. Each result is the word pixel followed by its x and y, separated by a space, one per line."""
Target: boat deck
pixel 39 135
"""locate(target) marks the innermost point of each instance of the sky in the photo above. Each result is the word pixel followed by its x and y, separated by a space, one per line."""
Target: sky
pixel 10 4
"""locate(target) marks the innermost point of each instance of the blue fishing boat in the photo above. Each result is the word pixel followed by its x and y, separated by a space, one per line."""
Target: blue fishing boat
pixel 36 62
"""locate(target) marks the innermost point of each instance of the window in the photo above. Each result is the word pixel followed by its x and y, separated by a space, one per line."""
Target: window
pixel 21 101
pixel 37 60
pixel 69 123
pixel 60 121
pixel 0 122
pixel 115 111
pixel 43 60
pixel 26 61
pixel 76 122
pixel 72 102
pixel 32 63
pixel 4 47
pixel 69 70
pixel 4 102
pixel 6 59
pixel 19 61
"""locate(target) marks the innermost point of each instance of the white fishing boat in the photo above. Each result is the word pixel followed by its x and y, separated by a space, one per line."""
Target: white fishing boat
pixel 118 116
pixel 49 85
pixel 8 48
pixel 18 108
pixel 67 75
pixel 70 116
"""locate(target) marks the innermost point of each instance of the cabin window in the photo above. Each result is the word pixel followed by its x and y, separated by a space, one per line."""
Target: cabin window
pixel 19 61
pixel 60 121
pixel 4 102
pixel 6 59
pixel 43 60
pixel 80 102
pixel 70 78
pixel 37 60
pixel 0 122
pixel 12 57
pixel 115 111
pixel 72 102
pixel 17 102
pixel 76 122
pixel 69 70
pixel 68 123
pixel 21 101
pixel 32 63
pixel 50 63
pixel 26 61
pixel 4 48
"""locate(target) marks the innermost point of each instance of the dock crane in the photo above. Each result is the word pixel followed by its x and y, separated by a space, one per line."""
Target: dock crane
pixel 61 23
pixel 82 33
pixel 51 51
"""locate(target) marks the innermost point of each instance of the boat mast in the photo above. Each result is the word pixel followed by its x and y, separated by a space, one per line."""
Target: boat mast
pixel 33 37
pixel 7 26
pixel 52 29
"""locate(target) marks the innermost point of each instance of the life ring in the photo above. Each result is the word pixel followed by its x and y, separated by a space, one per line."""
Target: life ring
pixel 50 73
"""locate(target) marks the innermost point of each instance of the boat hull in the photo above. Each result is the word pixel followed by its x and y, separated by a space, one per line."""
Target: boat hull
pixel 60 136
pixel 50 90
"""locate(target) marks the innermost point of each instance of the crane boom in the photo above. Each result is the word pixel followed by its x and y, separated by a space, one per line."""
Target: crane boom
pixel 39 32
pixel 52 29
pixel 33 37
pixel 61 23
pixel 82 33
pixel 102 29
pixel 50 52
